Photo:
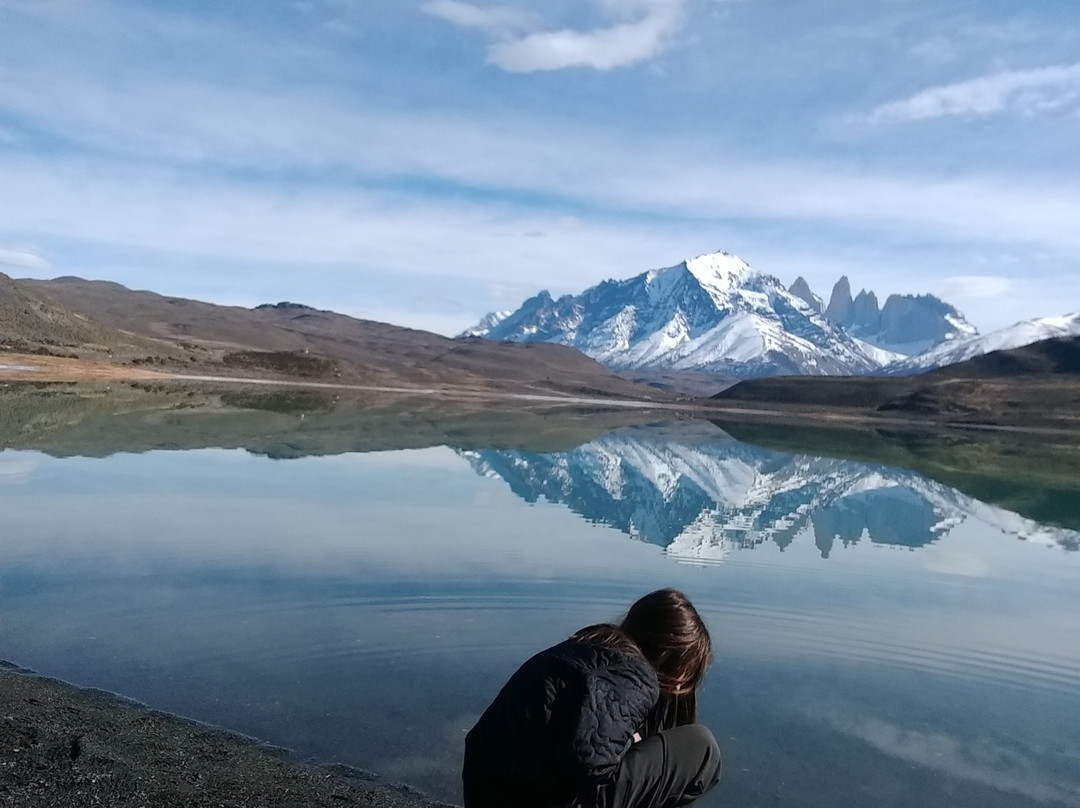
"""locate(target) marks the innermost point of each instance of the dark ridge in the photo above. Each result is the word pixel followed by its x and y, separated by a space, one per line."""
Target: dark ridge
pixel 1021 386
pixel 285 305
pixel 1060 355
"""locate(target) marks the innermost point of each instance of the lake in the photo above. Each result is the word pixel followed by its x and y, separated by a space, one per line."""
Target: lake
pixel 896 616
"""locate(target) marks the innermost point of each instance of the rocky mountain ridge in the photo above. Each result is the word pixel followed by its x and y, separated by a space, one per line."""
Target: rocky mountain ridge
pixel 906 324
pixel 715 313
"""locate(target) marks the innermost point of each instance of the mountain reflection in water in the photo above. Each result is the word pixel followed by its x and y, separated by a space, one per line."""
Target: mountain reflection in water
pixel 344 584
pixel 701 494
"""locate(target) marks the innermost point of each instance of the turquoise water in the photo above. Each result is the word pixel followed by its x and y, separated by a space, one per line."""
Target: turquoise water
pixel 881 638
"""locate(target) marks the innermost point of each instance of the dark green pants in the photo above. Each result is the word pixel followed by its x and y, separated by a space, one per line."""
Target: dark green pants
pixel 671 768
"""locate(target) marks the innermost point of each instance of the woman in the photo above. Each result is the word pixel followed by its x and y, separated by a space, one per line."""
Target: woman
pixel 605 719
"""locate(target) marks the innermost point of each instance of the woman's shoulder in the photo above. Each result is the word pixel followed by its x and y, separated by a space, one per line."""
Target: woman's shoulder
pixel 586 661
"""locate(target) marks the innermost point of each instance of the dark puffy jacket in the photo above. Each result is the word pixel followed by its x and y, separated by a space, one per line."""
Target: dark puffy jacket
pixel 560 725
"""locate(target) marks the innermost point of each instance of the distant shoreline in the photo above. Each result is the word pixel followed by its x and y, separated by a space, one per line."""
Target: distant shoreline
pixel 28 367
pixel 48 369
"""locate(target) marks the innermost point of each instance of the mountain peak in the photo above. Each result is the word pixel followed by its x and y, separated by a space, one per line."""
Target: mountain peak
pixel 801 289
pixel 906 324
pixel 841 307
pixel 719 270
pixel 715 313
pixel 712 312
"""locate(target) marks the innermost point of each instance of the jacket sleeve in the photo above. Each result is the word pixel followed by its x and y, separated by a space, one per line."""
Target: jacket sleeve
pixel 615 701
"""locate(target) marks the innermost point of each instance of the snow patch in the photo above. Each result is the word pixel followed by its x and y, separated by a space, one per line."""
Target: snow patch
pixel 1014 336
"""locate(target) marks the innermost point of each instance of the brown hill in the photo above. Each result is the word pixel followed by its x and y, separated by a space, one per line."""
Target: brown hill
pixel 289 340
pixel 35 322
pixel 1035 385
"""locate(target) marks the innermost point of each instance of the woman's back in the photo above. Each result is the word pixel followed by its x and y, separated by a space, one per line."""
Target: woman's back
pixel 605 718
pixel 562 722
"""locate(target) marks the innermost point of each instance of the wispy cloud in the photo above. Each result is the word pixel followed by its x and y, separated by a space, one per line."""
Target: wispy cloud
pixel 499 21
pixel 334 234
pixel 1023 91
pixel 639 30
pixel 283 152
pixel 319 228
pixel 576 166
pixel 17 255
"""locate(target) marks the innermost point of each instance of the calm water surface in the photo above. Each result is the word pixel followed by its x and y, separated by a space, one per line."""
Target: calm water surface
pixel 881 638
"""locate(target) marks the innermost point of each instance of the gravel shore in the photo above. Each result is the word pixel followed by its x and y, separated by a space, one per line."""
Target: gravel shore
pixel 62 746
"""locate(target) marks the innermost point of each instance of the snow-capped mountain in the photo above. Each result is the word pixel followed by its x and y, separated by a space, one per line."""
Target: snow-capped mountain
pixel 711 313
pixel 487 324
pixel 1015 336
pixel 705 497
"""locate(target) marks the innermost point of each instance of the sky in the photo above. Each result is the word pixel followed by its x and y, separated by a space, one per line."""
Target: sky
pixel 424 162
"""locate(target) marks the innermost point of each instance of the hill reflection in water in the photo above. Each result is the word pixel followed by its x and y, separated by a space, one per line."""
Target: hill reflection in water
pixel 701 494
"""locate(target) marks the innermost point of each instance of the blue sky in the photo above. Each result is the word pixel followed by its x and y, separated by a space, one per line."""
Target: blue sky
pixel 425 161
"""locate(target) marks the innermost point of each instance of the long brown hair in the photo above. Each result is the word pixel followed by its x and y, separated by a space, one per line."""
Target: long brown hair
pixel 673 638
pixel 609 635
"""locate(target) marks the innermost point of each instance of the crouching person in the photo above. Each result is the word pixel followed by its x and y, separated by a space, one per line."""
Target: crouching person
pixel 605 719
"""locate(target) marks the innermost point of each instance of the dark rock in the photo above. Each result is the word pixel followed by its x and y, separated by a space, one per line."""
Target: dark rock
pixel 865 315
pixel 801 289
pixel 911 319
pixel 841 307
